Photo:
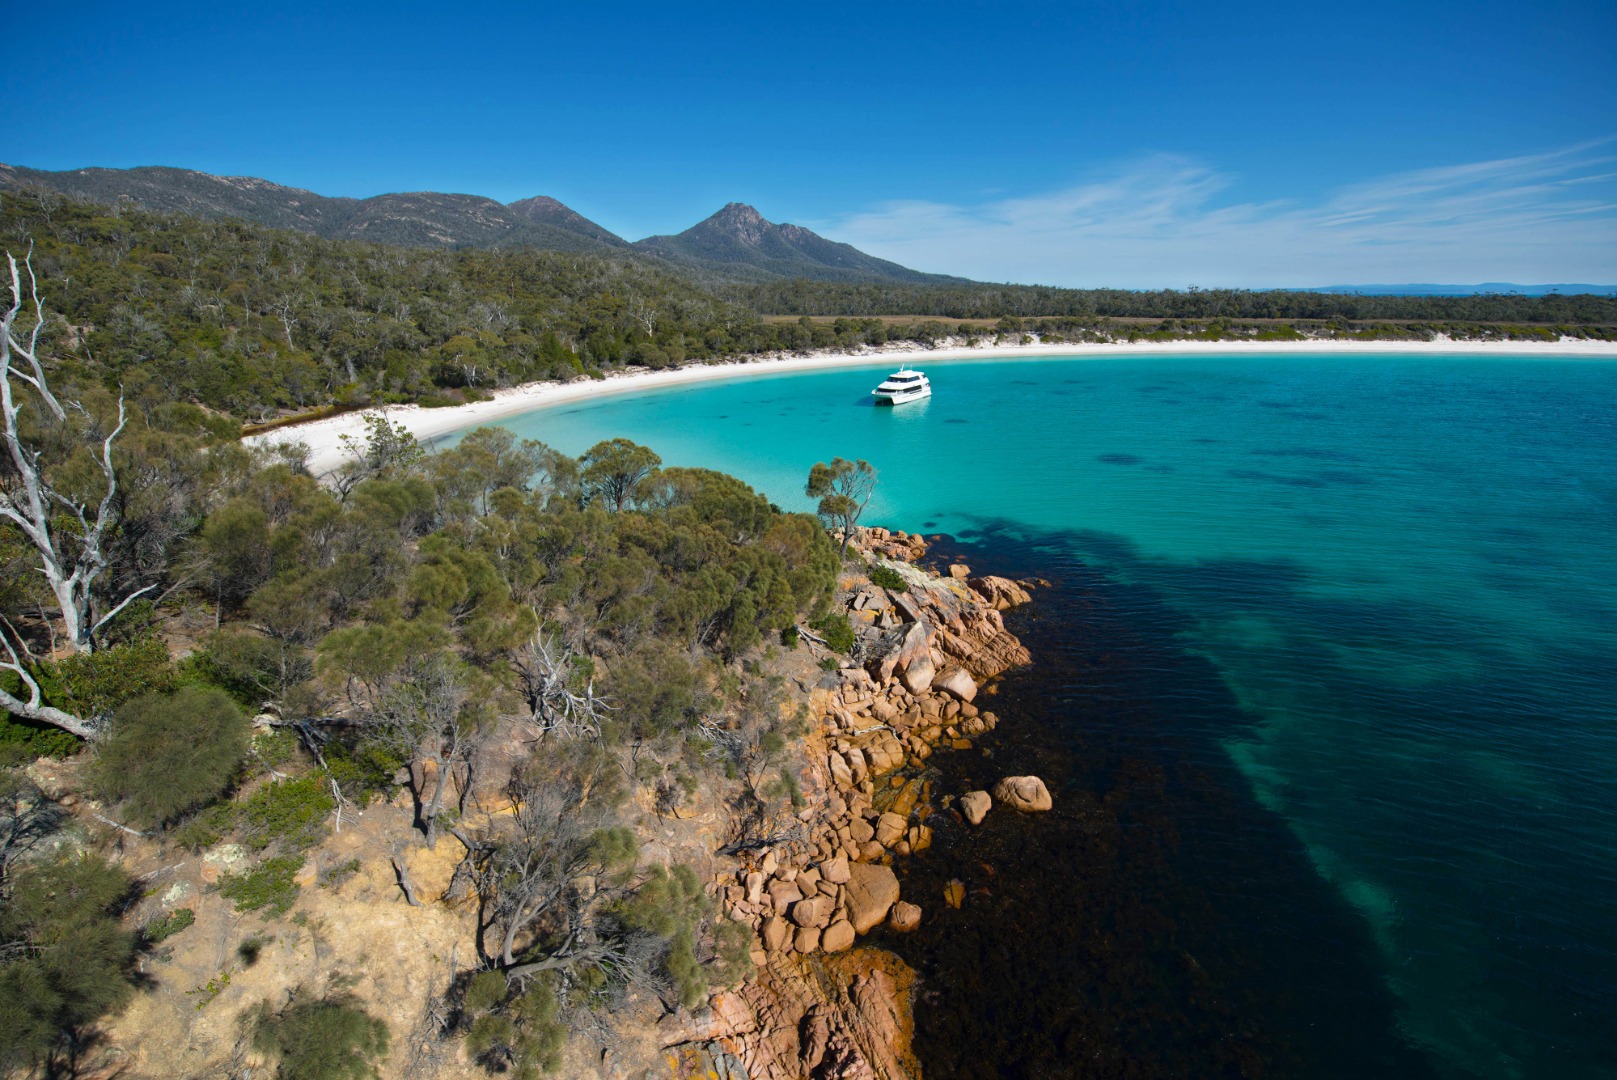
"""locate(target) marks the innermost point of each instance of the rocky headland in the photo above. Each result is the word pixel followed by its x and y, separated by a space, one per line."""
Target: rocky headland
pixel 391 919
pixel 821 1004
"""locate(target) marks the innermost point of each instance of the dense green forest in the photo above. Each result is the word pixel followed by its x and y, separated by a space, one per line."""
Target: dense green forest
pixel 252 322
pixel 973 301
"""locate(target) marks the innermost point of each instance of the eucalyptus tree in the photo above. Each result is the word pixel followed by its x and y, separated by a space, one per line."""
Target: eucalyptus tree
pixel 616 472
pixel 68 527
pixel 844 489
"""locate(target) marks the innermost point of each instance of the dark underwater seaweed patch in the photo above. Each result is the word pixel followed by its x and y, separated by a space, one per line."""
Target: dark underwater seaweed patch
pixel 1276 478
pixel 1118 459
pixel 1119 906
pixel 1312 453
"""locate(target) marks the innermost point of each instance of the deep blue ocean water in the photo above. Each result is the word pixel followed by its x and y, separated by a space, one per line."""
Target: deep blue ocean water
pixel 1399 576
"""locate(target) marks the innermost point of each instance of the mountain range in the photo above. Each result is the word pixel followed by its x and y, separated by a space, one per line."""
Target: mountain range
pixel 737 244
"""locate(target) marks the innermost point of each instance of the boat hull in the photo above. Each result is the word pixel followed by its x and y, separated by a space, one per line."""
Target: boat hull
pixel 901 398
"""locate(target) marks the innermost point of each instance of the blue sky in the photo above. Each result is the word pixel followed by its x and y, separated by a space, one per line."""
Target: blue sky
pixel 1140 145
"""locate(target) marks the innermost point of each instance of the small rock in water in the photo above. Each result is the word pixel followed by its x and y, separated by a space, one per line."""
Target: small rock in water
pixel 975 805
pixel 905 917
pixel 1025 793
pixel 954 893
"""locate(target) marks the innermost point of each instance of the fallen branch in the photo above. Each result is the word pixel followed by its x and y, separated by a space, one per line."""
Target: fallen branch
pixel 805 632
pixel 116 825
pixel 404 882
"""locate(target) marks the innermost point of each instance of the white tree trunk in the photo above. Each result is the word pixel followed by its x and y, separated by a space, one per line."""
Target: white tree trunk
pixel 42 513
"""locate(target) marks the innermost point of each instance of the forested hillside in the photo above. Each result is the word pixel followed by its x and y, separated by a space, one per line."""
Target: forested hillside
pixel 565 636
pixel 415 218
pixel 250 321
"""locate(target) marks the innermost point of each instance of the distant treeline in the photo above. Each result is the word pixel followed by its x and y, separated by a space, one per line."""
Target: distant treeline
pixel 1036 301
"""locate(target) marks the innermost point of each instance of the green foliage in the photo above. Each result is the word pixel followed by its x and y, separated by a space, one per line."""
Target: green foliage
pixel 387 448
pixel 732 953
pixel 211 989
pixel 291 813
pixel 236 543
pixel 23 740
pixel 275 747
pixel 137 621
pixel 329 1038
pixel 489 1034
pixel 672 905
pixel 1023 307
pixel 249 667
pixel 614 850
pixel 844 489
pixel 543 1034
pixel 657 690
pixel 168 754
pixel 362 771
pixel 206 828
pixel 66 960
pixel 523 1032
pixel 888 578
pixel 94 684
pixel 485 991
pixel 837 632
pixel 616 472
pixel 690 981
pixel 267 885
pixel 490 459
pixel 160 930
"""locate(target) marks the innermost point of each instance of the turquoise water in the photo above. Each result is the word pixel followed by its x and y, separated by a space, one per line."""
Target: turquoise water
pixel 1402 570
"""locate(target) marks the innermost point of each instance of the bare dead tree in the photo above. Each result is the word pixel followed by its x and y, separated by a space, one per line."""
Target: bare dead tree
pixel 555 871
pixel 547 669
pixel 69 541
pixel 423 715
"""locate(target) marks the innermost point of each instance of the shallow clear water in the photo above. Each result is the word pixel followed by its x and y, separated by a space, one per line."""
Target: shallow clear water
pixel 1402 571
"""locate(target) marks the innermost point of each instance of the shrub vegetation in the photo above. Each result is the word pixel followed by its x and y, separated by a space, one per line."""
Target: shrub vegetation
pixel 169 754
pixel 330 1038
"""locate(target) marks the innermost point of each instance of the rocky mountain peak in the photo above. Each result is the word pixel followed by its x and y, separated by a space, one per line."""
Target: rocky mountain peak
pixel 539 204
pixel 739 213
pixel 741 222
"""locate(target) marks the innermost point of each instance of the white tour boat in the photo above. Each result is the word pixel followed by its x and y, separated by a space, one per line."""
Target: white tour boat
pixel 901 386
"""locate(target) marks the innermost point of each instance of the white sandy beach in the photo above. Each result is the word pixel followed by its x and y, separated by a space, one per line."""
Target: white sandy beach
pixel 326 451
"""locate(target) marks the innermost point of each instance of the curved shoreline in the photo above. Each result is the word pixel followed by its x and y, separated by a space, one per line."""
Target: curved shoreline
pixel 324 437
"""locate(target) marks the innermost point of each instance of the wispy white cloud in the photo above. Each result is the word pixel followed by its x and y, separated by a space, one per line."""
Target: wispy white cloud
pixel 1173 221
